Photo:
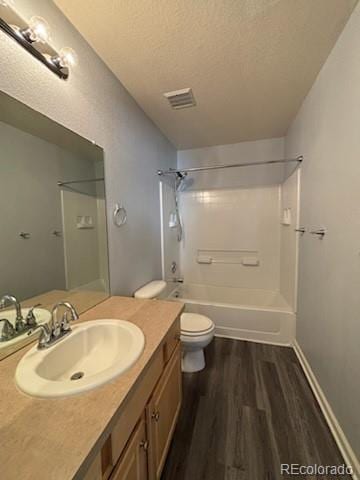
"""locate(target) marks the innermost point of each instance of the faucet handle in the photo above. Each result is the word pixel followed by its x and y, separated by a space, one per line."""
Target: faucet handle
pixel 45 335
pixel 30 317
pixel 8 331
pixel 65 323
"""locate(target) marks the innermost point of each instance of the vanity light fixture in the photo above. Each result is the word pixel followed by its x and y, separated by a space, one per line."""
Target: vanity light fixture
pixel 34 36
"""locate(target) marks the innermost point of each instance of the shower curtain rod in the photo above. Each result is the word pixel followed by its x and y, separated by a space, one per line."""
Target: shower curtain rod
pixel 298 159
pixel 61 184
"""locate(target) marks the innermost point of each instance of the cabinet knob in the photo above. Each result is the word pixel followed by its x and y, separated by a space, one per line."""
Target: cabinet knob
pixel 156 416
pixel 144 445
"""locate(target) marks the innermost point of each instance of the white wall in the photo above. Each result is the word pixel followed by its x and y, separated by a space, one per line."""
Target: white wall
pixel 94 104
pixel 327 132
pixel 244 220
pixel 239 209
pixel 81 246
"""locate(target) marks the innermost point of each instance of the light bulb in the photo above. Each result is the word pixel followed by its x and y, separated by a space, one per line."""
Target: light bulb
pixel 6 3
pixel 68 57
pixel 39 30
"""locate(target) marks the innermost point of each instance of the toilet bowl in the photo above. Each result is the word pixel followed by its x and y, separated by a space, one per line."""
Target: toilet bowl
pixel 197 331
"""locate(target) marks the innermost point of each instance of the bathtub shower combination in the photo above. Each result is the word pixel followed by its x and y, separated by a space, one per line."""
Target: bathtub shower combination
pixel 247 314
pixel 233 238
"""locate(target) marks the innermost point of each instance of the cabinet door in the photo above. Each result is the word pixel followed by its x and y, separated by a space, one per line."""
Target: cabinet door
pixel 133 464
pixel 94 471
pixel 161 414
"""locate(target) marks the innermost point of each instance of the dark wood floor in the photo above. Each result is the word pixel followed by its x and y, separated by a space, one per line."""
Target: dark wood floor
pixel 250 410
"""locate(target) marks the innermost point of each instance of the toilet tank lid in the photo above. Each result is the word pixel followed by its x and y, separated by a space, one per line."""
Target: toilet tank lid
pixel 194 322
pixel 151 290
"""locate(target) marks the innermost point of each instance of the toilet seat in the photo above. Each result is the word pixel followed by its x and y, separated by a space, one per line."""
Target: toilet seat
pixel 195 325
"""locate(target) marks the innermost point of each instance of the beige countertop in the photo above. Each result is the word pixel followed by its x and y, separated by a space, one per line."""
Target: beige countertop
pixel 51 438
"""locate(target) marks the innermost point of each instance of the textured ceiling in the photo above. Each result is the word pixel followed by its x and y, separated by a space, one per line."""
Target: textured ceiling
pixel 250 63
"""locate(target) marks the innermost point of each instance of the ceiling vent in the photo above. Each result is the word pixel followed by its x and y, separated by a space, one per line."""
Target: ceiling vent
pixel 181 98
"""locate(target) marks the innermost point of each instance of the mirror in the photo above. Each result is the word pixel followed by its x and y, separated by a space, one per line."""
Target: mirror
pixel 53 243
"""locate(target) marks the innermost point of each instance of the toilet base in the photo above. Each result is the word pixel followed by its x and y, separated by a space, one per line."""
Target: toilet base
pixel 193 361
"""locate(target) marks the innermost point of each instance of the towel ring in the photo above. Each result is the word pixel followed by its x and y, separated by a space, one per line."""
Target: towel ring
pixel 119 215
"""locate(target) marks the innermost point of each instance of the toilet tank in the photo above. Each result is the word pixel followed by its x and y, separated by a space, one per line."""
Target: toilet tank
pixel 151 290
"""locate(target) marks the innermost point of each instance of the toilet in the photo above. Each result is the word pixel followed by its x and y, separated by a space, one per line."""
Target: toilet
pixel 197 330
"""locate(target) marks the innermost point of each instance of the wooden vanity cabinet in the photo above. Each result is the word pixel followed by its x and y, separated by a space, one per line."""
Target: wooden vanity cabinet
pixel 161 414
pixel 138 444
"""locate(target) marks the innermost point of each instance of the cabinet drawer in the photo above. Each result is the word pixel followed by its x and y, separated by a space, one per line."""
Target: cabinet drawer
pixel 171 340
pixel 135 406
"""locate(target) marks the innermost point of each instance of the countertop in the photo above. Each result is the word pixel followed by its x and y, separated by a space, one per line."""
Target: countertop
pixel 51 439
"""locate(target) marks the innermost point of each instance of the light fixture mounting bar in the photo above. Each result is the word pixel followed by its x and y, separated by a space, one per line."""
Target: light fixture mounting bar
pixel 34 36
pixel 5 27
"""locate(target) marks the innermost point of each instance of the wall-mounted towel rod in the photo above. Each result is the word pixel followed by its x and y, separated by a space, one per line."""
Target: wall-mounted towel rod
pixel 62 184
pixel 298 159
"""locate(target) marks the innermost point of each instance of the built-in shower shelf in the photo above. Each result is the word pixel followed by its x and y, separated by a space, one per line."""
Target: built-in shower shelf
pixel 241 257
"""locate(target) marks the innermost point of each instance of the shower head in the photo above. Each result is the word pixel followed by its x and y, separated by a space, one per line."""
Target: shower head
pixel 181 175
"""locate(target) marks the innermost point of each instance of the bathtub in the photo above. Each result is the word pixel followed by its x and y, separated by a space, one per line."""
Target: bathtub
pixel 246 314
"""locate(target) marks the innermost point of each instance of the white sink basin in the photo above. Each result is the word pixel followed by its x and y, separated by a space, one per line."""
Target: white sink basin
pixel 92 354
pixel 41 316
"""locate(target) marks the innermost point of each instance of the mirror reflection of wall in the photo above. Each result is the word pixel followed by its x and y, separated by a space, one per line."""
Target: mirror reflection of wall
pixel 53 239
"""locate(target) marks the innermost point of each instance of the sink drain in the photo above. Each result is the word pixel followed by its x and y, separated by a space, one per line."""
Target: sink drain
pixel 77 375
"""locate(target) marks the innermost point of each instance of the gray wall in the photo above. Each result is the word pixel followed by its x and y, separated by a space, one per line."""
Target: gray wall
pixel 30 168
pixel 94 104
pixel 30 202
pixel 327 132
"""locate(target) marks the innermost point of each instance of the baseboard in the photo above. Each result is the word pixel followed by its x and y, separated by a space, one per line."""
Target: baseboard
pixel 335 428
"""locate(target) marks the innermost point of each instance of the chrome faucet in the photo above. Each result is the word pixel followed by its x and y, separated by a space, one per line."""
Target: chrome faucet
pixel 19 323
pixel 54 331
pixel 64 324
